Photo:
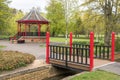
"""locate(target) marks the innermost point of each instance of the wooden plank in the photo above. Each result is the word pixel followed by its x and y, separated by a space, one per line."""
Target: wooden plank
pixel 78 66
pixel 59 62
pixel 69 64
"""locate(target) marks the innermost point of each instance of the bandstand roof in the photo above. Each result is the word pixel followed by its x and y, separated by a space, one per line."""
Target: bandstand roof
pixel 33 17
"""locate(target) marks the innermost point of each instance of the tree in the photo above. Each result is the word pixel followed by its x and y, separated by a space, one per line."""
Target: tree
pixel 109 9
pixel 55 14
pixel 76 23
pixel 92 21
pixel 69 6
pixel 5 12
pixel 12 24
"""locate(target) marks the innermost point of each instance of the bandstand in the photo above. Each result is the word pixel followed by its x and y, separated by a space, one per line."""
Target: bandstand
pixel 26 31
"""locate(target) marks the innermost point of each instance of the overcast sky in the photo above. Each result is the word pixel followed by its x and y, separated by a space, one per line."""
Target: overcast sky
pixel 26 5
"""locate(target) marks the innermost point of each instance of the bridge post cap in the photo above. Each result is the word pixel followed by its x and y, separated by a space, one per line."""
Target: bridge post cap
pixel 70 32
pixel 113 33
pixel 91 33
pixel 47 32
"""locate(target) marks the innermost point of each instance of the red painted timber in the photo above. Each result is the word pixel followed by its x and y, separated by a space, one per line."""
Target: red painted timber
pixel 70 43
pixel 91 50
pixel 113 46
pixel 39 29
pixel 47 47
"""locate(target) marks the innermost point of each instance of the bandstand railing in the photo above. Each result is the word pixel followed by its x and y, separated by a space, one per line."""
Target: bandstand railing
pixel 31 33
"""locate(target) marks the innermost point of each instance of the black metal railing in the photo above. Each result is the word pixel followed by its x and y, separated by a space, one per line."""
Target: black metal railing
pixel 31 33
pixel 81 45
pixel 100 51
pixel 67 54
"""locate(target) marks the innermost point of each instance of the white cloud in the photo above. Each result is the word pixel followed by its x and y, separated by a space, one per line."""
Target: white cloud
pixel 26 5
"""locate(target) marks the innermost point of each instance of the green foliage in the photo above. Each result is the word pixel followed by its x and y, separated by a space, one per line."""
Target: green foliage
pixel 109 11
pixel 12 30
pixel 92 21
pixel 97 75
pixel 117 45
pixel 1 46
pixel 4 37
pixel 75 23
pixel 8 17
pixel 59 15
pixel 5 12
pixel 80 42
pixel 55 13
pixel 10 59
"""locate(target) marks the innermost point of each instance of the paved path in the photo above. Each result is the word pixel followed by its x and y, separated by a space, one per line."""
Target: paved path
pixel 114 68
pixel 36 49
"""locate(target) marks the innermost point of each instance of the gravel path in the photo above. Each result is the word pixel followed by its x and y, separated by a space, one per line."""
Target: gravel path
pixel 36 49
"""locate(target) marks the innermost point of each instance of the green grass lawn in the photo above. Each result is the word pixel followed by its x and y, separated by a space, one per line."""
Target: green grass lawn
pixel 1 46
pixel 55 39
pixel 97 75
pixel 4 37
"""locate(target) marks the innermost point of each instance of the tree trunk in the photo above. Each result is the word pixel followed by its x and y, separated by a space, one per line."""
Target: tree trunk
pixel 107 37
pixel 108 22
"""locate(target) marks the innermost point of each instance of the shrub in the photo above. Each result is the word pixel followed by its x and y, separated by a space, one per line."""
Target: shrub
pixel 13 59
pixel 117 44
pixel 80 42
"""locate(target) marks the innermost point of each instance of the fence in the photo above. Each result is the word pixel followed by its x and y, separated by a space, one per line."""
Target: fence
pixel 100 51
pixel 31 34
pixel 79 53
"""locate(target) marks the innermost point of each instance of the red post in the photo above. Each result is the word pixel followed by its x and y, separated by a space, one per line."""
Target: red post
pixel 113 46
pixel 25 34
pixel 39 29
pixel 18 29
pixel 47 47
pixel 70 43
pixel 91 50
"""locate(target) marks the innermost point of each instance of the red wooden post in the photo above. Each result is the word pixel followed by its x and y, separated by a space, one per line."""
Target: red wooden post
pixel 25 29
pixel 18 29
pixel 91 50
pixel 39 29
pixel 47 47
pixel 70 43
pixel 29 27
pixel 113 46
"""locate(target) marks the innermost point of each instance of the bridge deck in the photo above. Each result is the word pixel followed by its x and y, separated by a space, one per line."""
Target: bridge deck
pixel 97 63
pixel 78 57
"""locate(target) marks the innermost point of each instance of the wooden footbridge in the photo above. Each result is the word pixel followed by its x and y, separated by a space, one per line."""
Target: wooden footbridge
pixel 79 56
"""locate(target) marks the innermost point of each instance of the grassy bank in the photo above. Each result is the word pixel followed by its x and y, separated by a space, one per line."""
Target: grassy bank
pixel 97 75
pixel 4 37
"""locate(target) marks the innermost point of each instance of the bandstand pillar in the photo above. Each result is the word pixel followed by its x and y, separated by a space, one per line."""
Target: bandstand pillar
pixel 18 29
pixel 25 29
pixel 39 26
pixel 29 27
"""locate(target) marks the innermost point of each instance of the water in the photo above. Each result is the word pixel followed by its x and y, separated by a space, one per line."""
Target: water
pixel 59 77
